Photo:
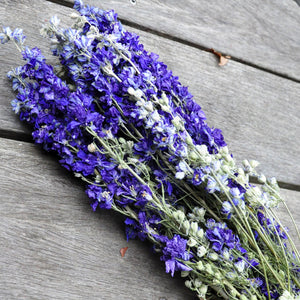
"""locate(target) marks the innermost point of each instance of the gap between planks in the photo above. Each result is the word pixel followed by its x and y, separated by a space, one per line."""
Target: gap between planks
pixel 21 137
pixel 70 3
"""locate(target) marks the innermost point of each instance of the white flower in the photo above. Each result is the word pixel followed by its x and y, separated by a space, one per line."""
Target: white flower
pixel 262 178
pixel 287 296
pixel 194 228
pixel 54 21
pixel 254 163
pixel 213 256
pixel 201 251
pixel 240 265
pixel 180 175
pixel 202 149
pixel 191 242
pixel 178 122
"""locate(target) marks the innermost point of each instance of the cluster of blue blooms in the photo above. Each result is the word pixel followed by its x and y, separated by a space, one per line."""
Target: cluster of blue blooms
pixel 122 122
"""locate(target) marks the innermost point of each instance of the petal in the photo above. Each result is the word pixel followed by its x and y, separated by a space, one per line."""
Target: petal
pixel 170 266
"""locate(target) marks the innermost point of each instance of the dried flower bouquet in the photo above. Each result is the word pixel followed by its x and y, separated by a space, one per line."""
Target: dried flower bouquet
pixel 120 121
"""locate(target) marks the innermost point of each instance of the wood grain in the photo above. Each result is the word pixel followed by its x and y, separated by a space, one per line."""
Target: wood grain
pixel 292 200
pixel 54 247
pixel 263 33
pixel 257 111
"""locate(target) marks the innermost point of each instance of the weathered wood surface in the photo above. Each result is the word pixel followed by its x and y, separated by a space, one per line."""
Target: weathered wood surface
pixel 263 33
pixel 265 130
pixel 52 245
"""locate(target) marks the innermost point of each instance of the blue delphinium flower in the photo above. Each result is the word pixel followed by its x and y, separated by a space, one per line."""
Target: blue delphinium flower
pixel 173 253
pixel 221 236
pixel 16 35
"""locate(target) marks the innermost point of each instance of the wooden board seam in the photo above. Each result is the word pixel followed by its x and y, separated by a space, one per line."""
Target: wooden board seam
pixel 68 3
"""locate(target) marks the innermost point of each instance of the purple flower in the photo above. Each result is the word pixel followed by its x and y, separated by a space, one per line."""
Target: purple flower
pixel 134 229
pixel 221 237
pixel 174 249
pixel 197 177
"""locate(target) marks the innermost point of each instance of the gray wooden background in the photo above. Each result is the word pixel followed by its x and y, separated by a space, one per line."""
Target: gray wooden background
pixel 52 246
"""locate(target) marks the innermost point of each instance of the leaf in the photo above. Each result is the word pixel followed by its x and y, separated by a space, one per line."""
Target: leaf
pixel 223 59
pixel 123 251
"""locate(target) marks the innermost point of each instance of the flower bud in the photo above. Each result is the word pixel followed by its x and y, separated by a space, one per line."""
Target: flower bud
pixel 188 284
pixel 247 166
pixel 92 148
pixel 231 275
pixel 74 15
pixel 193 155
pixel 203 290
pixel 189 140
pixel 179 216
pixel 254 195
pixel 131 91
pixel 209 269
pixel 155 116
pixel 243 297
pixel 282 274
pixel 185 273
pixel 226 169
pixel 240 171
pixel 164 99
pixel 224 150
pixel 122 140
pixel 98 178
pixel 177 122
pixel 202 149
pixel 216 281
pixel 226 254
pixel 242 179
pixel 253 297
pixel 254 163
pixel 201 251
pixel 262 178
pixel 200 266
pixel 199 211
pixel 194 228
pixel 139 93
pixel 218 156
pixel 182 208
pixel 207 160
pixel 186 226
pixel 149 106
pixel 165 108
pixel 228 158
pixel 197 283
pixel 200 233
pixel 218 276
pixel 272 181
pixel 191 242
pixel 213 256
pixel 287 296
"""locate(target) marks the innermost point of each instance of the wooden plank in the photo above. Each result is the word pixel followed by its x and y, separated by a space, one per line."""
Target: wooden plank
pixel 292 199
pixel 54 247
pixel 257 111
pixel 265 33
